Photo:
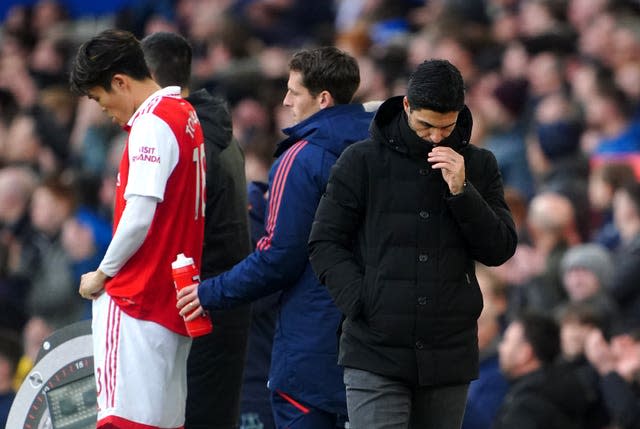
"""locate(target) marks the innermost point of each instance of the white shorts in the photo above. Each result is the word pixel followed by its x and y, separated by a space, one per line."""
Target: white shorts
pixel 140 369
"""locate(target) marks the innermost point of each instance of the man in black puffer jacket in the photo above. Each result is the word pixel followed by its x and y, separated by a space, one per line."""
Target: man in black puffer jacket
pixel 216 361
pixel 406 214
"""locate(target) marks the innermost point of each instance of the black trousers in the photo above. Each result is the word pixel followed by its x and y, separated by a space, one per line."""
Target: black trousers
pixel 215 369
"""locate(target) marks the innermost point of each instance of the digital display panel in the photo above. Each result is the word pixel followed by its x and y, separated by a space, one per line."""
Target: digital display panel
pixel 73 405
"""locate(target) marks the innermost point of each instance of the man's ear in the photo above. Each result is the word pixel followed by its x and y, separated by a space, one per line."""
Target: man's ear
pixel 405 104
pixel 325 99
pixel 118 81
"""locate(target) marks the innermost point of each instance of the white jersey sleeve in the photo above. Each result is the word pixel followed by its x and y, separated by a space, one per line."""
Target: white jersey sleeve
pixel 153 154
pixel 130 233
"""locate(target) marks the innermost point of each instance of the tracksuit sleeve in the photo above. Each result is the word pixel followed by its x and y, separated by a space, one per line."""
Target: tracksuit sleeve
pixel 281 254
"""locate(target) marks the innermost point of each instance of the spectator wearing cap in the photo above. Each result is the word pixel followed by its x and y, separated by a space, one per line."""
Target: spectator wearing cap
pixel 502 109
pixel 587 271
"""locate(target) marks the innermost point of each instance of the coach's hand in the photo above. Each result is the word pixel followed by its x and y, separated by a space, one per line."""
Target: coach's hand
pixel 188 303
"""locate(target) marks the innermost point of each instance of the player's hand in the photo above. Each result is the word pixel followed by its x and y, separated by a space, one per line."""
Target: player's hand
pixel 188 303
pixel 451 163
pixel 92 284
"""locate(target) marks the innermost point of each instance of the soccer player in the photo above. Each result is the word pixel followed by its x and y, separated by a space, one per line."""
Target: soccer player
pixel 140 341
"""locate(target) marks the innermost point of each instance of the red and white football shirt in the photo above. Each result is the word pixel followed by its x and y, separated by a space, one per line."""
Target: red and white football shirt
pixel 163 158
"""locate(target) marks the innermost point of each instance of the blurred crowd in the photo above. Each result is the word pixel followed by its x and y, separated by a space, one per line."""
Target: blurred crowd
pixel 554 88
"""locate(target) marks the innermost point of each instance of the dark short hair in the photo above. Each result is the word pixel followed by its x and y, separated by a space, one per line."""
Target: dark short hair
pixel 543 334
pixel 101 57
pixel 327 69
pixel 615 173
pixel 436 85
pixel 168 56
pixel 583 312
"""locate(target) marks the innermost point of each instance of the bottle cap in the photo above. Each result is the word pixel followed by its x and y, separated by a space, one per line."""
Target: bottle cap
pixel 181 261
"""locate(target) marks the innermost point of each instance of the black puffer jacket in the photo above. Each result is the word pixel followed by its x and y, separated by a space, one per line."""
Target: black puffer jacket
pixel 226 235
pixel 549 398
pixel 397 251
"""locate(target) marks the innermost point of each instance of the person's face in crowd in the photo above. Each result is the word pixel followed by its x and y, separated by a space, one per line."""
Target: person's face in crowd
pixel 35 332
pixel 77 240
pixel 581 12
pixel 627 77
pixel 23 130
pixel 48 212
pixel 598 112
pixel 116 102
pixel 299 99
pixel 583 82
pixel 573 335
pixel 512 350
pixel 623 209
pixel 544 75
pixel 596 39
pixel 429 125
pixel 580 283
pixel 600 192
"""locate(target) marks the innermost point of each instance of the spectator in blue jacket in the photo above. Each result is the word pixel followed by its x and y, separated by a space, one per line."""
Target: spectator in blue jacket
pixel 306 384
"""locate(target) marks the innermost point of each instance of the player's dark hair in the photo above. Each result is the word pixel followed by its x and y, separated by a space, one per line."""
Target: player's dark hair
pixel 100 58
pixel 168 56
